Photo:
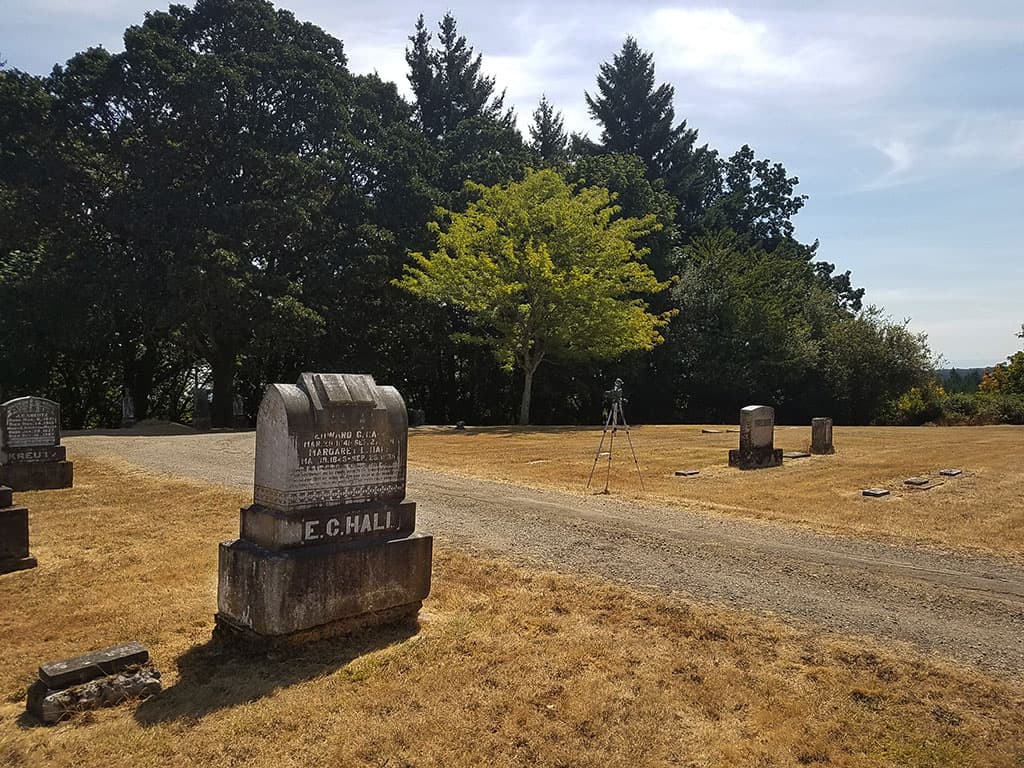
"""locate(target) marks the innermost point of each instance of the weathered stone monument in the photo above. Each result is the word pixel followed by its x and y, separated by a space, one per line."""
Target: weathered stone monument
pixel 329 543
pixel 31 456
pixel 201 409
pixel 821 435
pixel 757 439
pixel 98 679
pixel 14 554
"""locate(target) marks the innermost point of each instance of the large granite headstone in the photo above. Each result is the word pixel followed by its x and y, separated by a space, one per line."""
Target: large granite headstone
pixel 821 435
pixel 14 554
pixel 757 439
pixel 31 456
pixel 329 542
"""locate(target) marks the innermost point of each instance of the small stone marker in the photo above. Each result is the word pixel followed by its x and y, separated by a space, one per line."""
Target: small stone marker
pixel 795 455
pixel 329 543
pixel 951 472
pixel 99 679
pixel 757 436
pixel 821 435
pixel 875 492
pixel 82 669
pixel 460 426
pixel 687 472
pixel 31 456
pixel 916 481
pixel 127 410
pixel 14 554
pixel 417 417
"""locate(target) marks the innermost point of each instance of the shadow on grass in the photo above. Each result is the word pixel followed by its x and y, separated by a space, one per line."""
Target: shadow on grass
pixel 213 676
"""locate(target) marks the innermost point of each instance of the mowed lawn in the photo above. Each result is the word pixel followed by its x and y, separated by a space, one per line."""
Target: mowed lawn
pixel 509 666
pixel 983 508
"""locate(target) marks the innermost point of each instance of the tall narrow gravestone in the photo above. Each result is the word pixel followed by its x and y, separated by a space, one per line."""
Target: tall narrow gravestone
pixel 821 435
pixel 757 439
pixel 329 542
pixel 14 554
pixel 31 456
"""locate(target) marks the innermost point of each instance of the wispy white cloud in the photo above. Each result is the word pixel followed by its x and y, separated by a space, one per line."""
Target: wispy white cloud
pixel 730 52
pixel 976 144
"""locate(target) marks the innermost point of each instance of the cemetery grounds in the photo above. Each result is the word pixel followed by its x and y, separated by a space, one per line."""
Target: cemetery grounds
pixel 688 624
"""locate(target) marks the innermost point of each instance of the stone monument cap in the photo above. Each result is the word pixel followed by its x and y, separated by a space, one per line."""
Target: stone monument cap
pixel 331 439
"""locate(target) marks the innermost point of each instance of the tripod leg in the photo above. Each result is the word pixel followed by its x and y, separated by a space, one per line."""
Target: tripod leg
pixel 611 444
pixel 600 445
pixel 635 460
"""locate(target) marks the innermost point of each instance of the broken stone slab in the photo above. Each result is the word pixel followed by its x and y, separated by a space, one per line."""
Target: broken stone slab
pixel 50 705
pixel 943 472
pixel 916 481
pixel 795 455
pixel 687 472
pixel 81 669
pixel 875 492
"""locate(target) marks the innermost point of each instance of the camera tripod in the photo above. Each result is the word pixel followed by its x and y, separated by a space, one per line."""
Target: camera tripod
pixel 616 418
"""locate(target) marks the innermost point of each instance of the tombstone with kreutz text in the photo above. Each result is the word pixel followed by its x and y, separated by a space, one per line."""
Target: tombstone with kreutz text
pixel 31 456
pixel 821 435
pixel 329 542
pixel 757 439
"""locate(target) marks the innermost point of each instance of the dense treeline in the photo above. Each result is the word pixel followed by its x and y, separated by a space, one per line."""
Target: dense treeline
pixel 225 200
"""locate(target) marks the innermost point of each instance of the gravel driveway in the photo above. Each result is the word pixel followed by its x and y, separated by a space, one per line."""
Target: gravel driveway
pixel 969 607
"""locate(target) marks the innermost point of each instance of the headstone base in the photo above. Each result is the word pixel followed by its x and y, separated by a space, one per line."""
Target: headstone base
pixel 316 591
pixel 755 458
pixel 822 451
pixel 230 634
pixel 17 564
pixel 43 476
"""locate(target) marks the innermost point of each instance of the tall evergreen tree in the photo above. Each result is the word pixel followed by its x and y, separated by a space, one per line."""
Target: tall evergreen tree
pixel 638 118
pixel 547 133
pixel 447 82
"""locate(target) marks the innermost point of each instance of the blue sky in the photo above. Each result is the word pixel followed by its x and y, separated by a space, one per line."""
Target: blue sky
pixel 904 121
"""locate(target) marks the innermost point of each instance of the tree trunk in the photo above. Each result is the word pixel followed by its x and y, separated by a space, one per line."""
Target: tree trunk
pixel 223 365
pixel 524 406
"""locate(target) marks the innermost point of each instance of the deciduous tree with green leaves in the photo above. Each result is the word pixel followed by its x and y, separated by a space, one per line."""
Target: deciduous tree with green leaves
pixel 548 272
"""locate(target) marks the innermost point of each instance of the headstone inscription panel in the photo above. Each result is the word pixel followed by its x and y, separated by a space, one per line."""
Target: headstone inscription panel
pixel 329 540
pixel 757 439
pixel 31 456
pixel 821 435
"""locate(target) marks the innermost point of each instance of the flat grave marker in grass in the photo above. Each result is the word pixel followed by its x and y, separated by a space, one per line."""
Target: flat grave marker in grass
pixel 951 472
pixel 687 472
pixel 875 493
pixel 916 481
pixel 796 455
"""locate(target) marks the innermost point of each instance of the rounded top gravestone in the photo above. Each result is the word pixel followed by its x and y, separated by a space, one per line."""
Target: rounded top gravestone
pixel 29 422
pixel 331 439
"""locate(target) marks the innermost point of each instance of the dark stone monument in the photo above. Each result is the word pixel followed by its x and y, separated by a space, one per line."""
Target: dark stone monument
pixel 329 543
pixel 13 534
pixel 757 439
pixel 417 417
pixel 821 435
pixel 127 410
pixel 31 456
pixel 99 679
pixel 201 409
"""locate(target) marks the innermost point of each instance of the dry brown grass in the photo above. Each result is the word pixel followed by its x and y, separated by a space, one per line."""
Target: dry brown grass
pixel 511 666
pixel 983 508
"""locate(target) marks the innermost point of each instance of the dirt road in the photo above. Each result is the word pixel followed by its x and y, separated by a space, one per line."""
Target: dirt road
pixel 968 607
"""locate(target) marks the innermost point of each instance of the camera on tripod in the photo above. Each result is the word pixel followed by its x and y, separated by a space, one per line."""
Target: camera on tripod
pixel 615 394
